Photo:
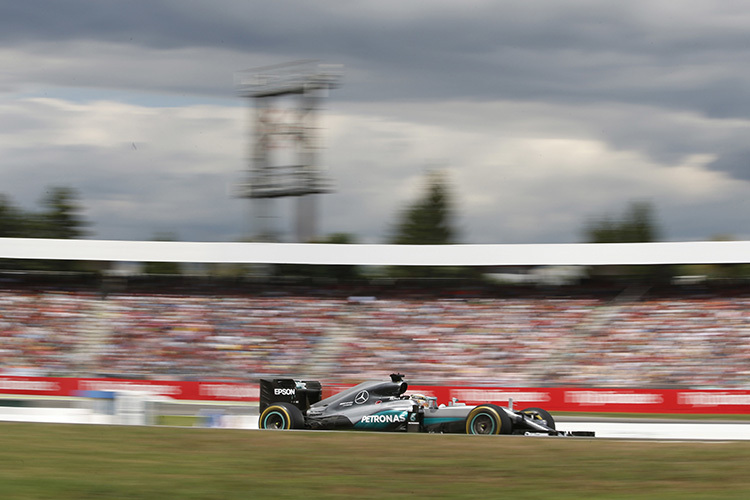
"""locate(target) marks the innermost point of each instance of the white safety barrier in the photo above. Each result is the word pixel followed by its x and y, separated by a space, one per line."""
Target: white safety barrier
pixel 712 431
pixel 698 252
pixel 54 415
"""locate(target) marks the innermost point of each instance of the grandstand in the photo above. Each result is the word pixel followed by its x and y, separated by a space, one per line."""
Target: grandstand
pixel 595 334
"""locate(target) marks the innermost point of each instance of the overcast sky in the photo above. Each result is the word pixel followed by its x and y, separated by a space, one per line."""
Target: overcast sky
pixel 543 114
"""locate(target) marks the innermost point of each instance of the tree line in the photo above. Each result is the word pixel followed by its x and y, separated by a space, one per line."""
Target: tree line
pixel 428 220
pixel 59 216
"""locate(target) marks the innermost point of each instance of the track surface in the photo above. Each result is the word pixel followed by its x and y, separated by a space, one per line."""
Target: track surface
pixel 246 418
pixel 672 430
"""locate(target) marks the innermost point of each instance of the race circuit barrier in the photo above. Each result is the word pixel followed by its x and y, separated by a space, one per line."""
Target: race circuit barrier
pixel 568 399
pixel 181 390
pixel 604 400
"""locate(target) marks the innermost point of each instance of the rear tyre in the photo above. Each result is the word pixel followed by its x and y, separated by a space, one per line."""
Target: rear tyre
pixel 281 416
pixel 488 419
pixel 541 415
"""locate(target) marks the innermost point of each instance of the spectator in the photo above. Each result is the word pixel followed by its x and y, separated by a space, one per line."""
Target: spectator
pixel 343 335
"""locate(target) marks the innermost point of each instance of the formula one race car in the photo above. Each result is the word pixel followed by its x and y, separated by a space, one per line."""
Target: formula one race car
pixel 384 406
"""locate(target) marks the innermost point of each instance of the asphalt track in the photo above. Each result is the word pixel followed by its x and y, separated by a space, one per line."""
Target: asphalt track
pixel 247 418
pixel 645 429
pixel 650 430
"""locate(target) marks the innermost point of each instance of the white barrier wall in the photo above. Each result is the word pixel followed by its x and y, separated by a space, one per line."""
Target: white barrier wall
pixel 697 252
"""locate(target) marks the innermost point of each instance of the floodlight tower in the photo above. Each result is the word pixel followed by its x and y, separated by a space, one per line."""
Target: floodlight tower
pixel 284 157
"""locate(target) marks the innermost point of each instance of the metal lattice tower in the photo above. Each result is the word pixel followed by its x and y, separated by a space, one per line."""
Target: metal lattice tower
pixel 284 156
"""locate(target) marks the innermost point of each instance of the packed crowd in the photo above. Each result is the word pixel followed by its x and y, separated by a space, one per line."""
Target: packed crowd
pixel 525 339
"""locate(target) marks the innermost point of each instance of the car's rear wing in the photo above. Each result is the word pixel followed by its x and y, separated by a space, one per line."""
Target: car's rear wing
pixel 300 393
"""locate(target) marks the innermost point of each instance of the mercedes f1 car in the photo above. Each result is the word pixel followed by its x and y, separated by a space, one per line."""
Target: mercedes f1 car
pixel 384 406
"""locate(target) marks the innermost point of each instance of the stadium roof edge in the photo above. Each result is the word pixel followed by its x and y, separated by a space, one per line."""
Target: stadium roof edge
pixel 697 252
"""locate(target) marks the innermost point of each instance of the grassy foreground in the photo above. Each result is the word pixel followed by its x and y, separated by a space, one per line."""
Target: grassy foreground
pixel 57 461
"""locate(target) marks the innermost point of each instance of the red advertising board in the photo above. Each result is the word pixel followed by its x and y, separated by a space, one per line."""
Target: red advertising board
pixel 601 400
pixel 193 391
pixel 551 398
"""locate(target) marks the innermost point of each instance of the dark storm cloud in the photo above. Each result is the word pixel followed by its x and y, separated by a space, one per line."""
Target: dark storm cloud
pixel 661 82
pixel 161 24
pixel 576 51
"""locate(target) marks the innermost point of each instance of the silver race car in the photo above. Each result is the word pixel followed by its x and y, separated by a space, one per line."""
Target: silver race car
pixel 385 406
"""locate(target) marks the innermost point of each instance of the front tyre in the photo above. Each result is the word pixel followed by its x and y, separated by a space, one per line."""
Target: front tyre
pixel 281 416
pixel 488 419
pixel 538 414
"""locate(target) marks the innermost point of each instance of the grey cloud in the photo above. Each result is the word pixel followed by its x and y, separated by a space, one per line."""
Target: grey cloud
pixel 469 48
pixel 161 24
pixel 574 51
pixel 125 200
pixel 735 163
pixel 695 221
pixel 654 77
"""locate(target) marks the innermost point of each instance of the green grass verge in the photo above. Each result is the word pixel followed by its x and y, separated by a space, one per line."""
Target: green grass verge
pixel 181 420
pixel 57 461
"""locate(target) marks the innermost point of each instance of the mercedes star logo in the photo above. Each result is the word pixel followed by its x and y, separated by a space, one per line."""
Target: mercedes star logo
pixel 362 397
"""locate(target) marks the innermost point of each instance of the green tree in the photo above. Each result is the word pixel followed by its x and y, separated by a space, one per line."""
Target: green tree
pixel 636 225
pixel 429 220
pixel 59 218
pixel 11 219
pixel 61 215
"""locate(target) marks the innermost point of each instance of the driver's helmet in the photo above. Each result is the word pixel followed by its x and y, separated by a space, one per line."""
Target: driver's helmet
pixel 420 399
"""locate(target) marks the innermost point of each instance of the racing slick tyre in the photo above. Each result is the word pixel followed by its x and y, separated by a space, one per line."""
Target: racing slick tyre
pixel 488 419
pixel 281 416
pixel 540 414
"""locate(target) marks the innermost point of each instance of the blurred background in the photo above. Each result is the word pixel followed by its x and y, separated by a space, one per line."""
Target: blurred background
pixel 404 124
